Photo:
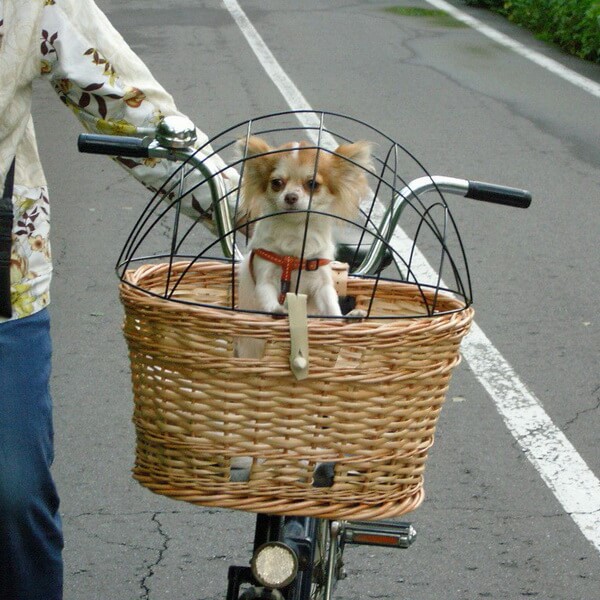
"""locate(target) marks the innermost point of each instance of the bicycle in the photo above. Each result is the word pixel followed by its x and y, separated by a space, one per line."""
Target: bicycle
pixel 314 486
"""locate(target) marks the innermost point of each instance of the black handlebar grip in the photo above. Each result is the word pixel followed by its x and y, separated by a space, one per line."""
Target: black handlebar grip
pixel 498 194
pixel 113 145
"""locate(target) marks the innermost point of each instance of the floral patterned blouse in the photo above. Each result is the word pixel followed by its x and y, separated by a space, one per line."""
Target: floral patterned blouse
pixel 109 89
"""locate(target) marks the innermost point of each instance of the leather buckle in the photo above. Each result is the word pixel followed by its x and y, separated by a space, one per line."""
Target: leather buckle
pixel 311 264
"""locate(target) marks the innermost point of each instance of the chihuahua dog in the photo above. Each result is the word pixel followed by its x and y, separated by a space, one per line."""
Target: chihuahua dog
pixel 293 194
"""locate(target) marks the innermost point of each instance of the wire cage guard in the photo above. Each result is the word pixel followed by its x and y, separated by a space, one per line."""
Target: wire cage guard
pixel 370 403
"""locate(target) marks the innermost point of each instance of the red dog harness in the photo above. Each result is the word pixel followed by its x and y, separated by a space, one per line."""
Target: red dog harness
pixel 287 264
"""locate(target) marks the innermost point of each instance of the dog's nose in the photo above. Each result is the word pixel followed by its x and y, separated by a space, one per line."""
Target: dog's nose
pixel 291 199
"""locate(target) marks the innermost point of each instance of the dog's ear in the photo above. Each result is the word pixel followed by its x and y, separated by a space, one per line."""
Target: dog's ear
pixel 349 164
pixel 257 167
pixel 252 146
pixel 258 156
pixel 357 152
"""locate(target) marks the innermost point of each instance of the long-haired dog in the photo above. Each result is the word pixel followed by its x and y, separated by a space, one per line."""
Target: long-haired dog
pixel 293 194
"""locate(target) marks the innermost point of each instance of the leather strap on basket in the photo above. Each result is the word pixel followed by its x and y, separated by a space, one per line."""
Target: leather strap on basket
pixel 6 225
pixel 298 334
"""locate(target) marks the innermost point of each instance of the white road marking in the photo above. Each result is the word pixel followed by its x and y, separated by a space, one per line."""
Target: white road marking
pixel 548 449
pixel 289 91
pixel 545 445
pixel 539 59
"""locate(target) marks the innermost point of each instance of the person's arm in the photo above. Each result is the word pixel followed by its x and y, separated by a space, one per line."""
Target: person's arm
pixel 106 85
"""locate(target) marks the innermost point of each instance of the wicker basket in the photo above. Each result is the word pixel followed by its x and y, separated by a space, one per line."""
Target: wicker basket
pixel 370 404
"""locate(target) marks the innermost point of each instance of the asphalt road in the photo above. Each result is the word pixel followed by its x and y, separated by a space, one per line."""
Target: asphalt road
pixel 490 527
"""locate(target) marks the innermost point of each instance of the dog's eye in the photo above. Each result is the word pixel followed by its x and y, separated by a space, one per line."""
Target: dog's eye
pixel 313 185
pixel 277 184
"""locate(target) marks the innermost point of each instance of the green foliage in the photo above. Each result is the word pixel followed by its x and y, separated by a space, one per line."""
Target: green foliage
pixel 572 24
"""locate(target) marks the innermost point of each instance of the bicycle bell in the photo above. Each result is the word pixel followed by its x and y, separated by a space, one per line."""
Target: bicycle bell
pixel 176 132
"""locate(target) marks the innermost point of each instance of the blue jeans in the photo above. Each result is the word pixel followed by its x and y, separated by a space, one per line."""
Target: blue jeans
pixel 30 528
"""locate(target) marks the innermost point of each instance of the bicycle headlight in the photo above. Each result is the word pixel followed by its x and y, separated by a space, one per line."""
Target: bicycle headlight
pixel 274 565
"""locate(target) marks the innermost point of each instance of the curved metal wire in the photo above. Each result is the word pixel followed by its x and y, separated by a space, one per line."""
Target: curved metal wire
pixel 426 218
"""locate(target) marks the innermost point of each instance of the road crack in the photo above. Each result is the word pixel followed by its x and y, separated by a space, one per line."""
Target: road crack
pixel 151 569
pixel 585 411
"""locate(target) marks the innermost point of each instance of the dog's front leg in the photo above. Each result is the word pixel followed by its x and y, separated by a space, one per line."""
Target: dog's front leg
pixel 327 302
pixel 267 296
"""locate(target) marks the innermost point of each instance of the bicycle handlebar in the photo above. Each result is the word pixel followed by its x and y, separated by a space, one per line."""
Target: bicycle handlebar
pixel 172 148
pixel 475 190
pixel 172 141
pixel 498 194
pixel 114 145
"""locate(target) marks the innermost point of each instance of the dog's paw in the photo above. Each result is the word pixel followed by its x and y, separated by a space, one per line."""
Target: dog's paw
pixel 357 314
pixel 277 310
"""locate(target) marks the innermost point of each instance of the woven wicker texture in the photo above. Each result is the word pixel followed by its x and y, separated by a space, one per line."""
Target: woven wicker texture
pixel 370 404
